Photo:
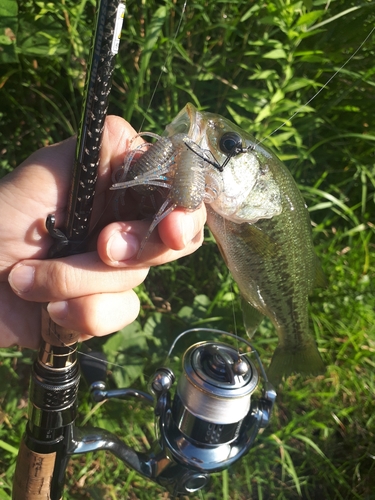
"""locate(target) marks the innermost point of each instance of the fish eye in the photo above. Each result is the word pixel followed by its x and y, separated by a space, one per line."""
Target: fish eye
pixel 230 143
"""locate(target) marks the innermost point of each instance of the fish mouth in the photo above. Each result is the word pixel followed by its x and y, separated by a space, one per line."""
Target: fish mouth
pixel 190 122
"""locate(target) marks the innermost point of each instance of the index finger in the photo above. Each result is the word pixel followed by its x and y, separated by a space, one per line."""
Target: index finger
pixel 180 234
pixel 119 137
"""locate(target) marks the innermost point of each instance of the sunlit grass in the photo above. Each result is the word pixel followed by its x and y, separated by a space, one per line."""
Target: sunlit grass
pixel 257 64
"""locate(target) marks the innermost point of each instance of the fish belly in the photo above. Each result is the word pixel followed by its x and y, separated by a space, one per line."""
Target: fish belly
pixel 274 267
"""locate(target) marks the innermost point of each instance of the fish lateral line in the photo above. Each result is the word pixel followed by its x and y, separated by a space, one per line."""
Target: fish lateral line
pixel 219 166
pixel 214 162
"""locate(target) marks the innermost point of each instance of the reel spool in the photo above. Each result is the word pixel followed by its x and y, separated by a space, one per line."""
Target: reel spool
pixel 212 420
pixel 213 393
pixel 209 423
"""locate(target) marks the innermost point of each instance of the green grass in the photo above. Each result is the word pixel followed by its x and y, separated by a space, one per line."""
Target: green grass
pixel 256 63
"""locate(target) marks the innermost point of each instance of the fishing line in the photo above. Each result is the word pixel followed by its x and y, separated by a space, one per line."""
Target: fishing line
pixel 321 89
pixel 165 63
pixel 87 354
pixel 231 280
pixel 112 195
pixel 108 363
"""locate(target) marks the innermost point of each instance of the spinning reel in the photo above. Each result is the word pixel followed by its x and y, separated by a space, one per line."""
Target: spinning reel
pixel 209 423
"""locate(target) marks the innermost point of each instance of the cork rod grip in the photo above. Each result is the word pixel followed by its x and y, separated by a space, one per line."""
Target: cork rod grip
pixel 33 476
pixel 54 334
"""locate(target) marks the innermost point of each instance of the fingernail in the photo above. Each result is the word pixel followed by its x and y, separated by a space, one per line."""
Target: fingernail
pixel 188 229
pixel 122 246
pixel 58 310
pixel 21 278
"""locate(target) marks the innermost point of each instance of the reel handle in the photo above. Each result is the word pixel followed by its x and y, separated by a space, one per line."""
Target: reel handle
pixel 210 423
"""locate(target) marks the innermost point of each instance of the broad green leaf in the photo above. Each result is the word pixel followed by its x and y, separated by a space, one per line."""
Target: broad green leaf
pixel 249 13
pixel 268 74
pixel 202 301
pixel 126 350
pixel 264 113
pixel 155 325
pixel 185 312
pixel 41 38
pixel 239 119
pixel 132 367
pixel 280 138
pixel 197 311
pixel 277 96
pixel 4 495
pixel 298 83
pixel 129 336
pixel 310 17
pixel 8 31
pixel 275 54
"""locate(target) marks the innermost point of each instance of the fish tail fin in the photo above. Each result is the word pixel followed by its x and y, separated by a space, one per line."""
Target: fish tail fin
pixel 305 360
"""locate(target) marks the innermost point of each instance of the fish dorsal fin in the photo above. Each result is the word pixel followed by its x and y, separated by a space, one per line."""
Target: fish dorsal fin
pixel 252 318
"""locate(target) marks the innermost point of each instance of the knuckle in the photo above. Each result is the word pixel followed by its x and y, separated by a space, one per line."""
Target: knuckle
pixel 131 278
pixel 61 279
pixel 134 305
pixel 109 313
pixel 141 275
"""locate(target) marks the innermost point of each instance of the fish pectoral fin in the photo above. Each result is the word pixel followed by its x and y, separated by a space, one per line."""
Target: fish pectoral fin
pixel 260 241
pixel 252 318
pixel 320 278
pixel 305 360
pixel 221 249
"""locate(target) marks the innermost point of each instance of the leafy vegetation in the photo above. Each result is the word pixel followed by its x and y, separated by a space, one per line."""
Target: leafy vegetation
pixel 257 63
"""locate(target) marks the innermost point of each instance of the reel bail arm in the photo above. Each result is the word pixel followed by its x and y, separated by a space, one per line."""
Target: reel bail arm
pixel 210 422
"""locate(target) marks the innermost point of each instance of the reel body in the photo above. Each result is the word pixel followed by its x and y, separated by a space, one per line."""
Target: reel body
pixel 209 423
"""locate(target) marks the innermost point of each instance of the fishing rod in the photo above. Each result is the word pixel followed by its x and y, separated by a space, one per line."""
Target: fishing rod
pixel 205 423
pixel 43 453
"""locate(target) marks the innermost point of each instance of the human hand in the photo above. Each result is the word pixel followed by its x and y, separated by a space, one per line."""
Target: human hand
pixel 92 292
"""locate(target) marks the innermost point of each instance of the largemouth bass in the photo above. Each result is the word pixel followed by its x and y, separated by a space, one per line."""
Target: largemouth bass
pixel 262 227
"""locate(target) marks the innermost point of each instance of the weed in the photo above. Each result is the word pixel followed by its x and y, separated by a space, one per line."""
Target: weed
pixel 257 63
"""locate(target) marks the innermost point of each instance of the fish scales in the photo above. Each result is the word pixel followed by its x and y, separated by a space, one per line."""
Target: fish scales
pixel 275 267
pixel 262 227
pixel 258 218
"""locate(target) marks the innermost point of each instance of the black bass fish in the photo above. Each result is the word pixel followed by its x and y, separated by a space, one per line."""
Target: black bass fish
pixel 262 227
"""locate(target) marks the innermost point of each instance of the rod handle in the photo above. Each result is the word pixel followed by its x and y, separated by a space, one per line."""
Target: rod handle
pixel 54 334
pixel 33 475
